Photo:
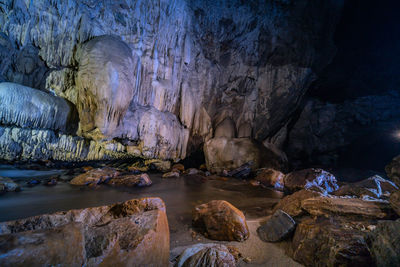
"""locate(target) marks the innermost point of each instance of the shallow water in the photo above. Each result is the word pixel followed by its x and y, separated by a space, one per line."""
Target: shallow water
pixel 179 194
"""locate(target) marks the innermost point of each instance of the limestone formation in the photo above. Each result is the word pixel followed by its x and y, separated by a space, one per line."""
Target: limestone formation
pixel 132 233
pixel 228 154
pixel 395 202
pixel 220 220
pixel 26 107
pixel 236 68
pixel 393 170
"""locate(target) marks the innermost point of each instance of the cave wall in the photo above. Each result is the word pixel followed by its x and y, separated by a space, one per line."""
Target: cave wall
pixel 351 114
pixel 195 64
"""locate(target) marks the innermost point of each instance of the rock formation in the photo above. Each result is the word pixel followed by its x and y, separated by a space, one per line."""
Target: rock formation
pixel 162 77
pixel 118 235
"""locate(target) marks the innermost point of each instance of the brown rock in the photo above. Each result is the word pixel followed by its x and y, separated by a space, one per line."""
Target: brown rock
pixel 171 175
pixel 132 233
pixel 193 171
pixel 350 207
pixel 393 170
pixel 204 255
pixel 374 186
pixel 220 220
pixel 291 204
pixel 44 247
pixel 315 179
pixel 95 176
pixel 330 242
pixel 395 202
pixel 178 168
pixel 138 167
pixel 254 182
pixel 131 180
pixel 87 168
pixel 271 177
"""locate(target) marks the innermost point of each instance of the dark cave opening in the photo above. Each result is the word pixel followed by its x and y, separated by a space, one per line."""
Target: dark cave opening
pixel 362 76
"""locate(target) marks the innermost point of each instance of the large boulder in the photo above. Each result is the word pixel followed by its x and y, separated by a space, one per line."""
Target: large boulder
pixel 278 227
pixel 330 242
pixel 204 255
pixel 375 187
pixel 131 180
pixel 132 233
pixel 26 107
pixel 315 179
pixel 291 204
pixel 220 220
pixel 230 153
pixel 349 207
pixel 95 176
pixel 384 243
pixel 105 84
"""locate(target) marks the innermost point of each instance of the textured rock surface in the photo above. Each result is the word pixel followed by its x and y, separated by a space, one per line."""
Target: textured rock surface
pixel 26 107
pixel 350 207
pixel 384 243
pixel 236 68
pixel 375 186
pixel 314 179
pixel 393 170
pixel 395 202
pixel 8 185
pixel 228 154
pixel 291 204
pixel 329 242
pixel 133 233
pixel 95 176
pixel 271 177
pixel 353 131
pixel 219 220
pixel 279 226
pixel 204 255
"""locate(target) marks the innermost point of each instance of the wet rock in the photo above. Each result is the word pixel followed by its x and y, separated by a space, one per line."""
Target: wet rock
pixel 26 107
pixel 229 154
pixel 159 165
pixel 131 180
pixel 291 204
pixel 193 171
pixel 314 179
pixel 50 182
pixel 384 243
pixel 277 227
pixel 33 182
pixel 270 177
pixel 138 167
pixel 220 220
pixel 349 207
pixel 243 171
pixel 254 182
pixel 204 255
pixel 44 247
pixel 9 185
pixel 95 176
pixel 178 168
pixel 393 170
pixel 375 187
pixel 132 233
pixel 330 242
pixel 172 174
pixel 395 202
